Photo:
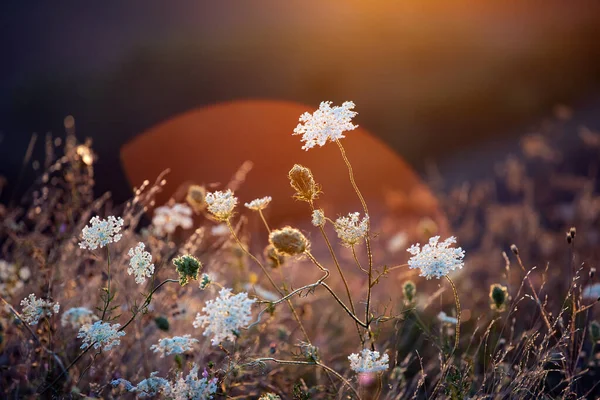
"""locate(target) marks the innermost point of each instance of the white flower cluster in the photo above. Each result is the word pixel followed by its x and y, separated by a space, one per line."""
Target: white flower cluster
pixel 325 124
pixel 436 259
pixel 168 218
pixel 269 396
pixel 221 204
pixel 140 264
pixel 11 279
pixel 224 316
pixel 101 232
pixel 443 317
pixel 368 361
pixel 174 345
pixel 259 204
pixel 205 281
pixel 100 334
pixel 77 317
pixel 318 218
pixel 351 229
pixel 34 309
pixel 148 387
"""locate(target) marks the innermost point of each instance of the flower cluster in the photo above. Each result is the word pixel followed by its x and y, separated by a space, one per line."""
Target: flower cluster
pixel 101 232
pixel 148 387
pixel 446 319
pixel 100 334
pixel 259 204
pixel 288 241
pixel 194 387
pixel 187 267
pixel 351 229
pixel 318 218
pixel 224 316
pixel 174 345
pixel 325 124
pixel 141 263
pixel 11 279
pixel 34 309
pixel 168 218
pixel 436 259
pixel 77 317
pixel 205 281
pixel 368 361
pixel 221 204
pixel 269 396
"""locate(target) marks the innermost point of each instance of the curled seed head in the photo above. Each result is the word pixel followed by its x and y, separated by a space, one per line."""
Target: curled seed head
pixel 196 197
pixel 303 182
pixel 288 241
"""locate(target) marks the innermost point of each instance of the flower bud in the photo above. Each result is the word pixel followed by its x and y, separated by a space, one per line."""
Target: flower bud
pixel 303 182
pixel 498 297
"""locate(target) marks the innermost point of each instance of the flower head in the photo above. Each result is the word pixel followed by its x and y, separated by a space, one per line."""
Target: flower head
pixel 100 334
pixel 368 361
pixel 193 387
pixel 205 281
pixel 196 197
pixel 288 241
pixel 77 317
pixel 34 309
pixel 444 318
pixel 351 229
pixel 436 259
pixel 148 387
pixel 101 232
pixel 498 297
pixel 174 345
pixel 224 316
pixel 269 396
pixel 187 267
pixel 318 217
pixel 141 263
pixel 303 182
pixel 168 218
pixel 259 204
pixel 325 124
pixel 221 204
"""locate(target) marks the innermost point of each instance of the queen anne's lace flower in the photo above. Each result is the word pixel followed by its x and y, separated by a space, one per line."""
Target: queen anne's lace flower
pixel 100 334
pixel 149 387
pixel 443 317
pixel 77 317
pixel 101 232
pixel 224 316
pixel 368 361
pixel 221 204
pixel 194 387
pixel 168 218
pixel 34 309
pixel 259 204
pixel 205 281
pixel 325 124
pixel 141 263
pixel 318 218
pixel 174 345
pixel 436 259
pixel 351 229
pixel 269 396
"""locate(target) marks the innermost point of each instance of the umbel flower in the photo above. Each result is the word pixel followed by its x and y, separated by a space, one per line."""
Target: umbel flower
pixel 269 396
pixel 168 218
pixel 149 387
pixel 325 124
pixel 101 232
pixel 174 345
pixel 77 317
pixel 141 263
pixel 436 259
pixel 34 309
pixel 224 316
pixel 205 281
pixel 193 387
pixel 187 267
pixel 259 204
pixel 100 334
pixel 303 182
pixel 351 229
pixel 368 361
pixel 288 241
pixel 221 204
pixel 318 218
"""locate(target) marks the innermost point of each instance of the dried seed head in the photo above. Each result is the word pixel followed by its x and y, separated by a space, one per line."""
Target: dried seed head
pixel 514 249
pixel 196 197
pixel 303 182
pixel 409 290
pixel 274 259
pixel 498 297
pixel 187 267
pixel 288 241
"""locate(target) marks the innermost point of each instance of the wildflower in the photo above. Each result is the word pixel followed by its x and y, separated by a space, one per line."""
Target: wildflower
pixel 436 259
pixel 310 352
pixel 325 124
pixel 101 232
pixel 187 267
pixel 196 197
pixel 303 182
pixel 224 316
pixel 409 289
pixel 191 387
pixel 205 281
pixel 259 204
pixel 273 257
pixel 34 309
pixel 443 317
pixel 11 280
pixel 24 273
pixel 77 317
pixel 368 361
pixel 288 241
pixel 148 387
pixel 269 396
pixel 100 334
pixel 318 218
pixel 351 229
pixel 140 264
pixel 397 242
pixel 498 297
pixel 174 345
pixel 221 204
pixel 168 218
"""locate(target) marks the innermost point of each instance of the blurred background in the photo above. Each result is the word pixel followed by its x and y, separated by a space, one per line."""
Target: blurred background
pixel 448 83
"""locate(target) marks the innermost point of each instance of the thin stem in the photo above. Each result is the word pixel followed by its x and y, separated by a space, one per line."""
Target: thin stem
pixel 542 311
pixel 262 216
pixel 456 340
pixel 341 303
pixel 358 262
pixel 108 294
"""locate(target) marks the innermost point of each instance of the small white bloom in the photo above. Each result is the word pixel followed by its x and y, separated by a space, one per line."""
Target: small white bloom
pixel 148 387
pixel 168 218
pixel 77 317
pixel 221 204
pixel 194 387
pixel 318 218
pixel 219 230
pixel 397 242
pixel 325 124
pixel 140 264
pixel 591 292
pixel 368 361
pixel 351 229
pixel 224 316
pixel 100 334
pixel 205 281
pixel 101 232
pixel 443 317
pixel 269 396
pixel 259 204
pixel 436 259
pixel 34 309
pixel 174 345
pixel 25 273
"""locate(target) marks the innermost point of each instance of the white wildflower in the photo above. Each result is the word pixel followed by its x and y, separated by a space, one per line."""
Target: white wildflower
pixel 174 345
pixel 140 264
pixel 220 230
pixel 100 334
pixel 148 387
pixel 77 317
pixel 25 273
pixel 34 309
pixel 194 387
pixel 443 317
pixel 436 259
pixel 269 396
pixel 224 316
pixel 591 292
pixel 205 281
pixel 318 218
pixel 397 242
pixel 221 204
pixel 325 124
pixel 259 204
pixel 368 361
pixel 168 218
pixel 101 232
pixel 351 229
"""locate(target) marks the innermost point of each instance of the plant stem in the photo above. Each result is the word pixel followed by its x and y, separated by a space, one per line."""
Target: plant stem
pixel 457 339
